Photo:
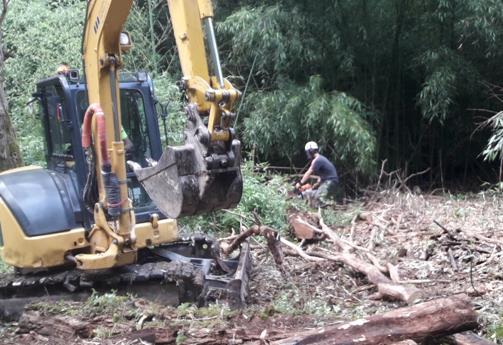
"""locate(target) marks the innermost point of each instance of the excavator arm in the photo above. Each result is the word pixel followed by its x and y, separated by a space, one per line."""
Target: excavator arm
pixel 202 175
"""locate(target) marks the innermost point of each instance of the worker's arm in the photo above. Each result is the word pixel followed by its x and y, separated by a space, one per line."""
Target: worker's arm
pixel 306 176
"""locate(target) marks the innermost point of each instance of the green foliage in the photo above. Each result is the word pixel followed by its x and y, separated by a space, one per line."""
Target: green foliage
pixel 265 195
pixel 494 148
pixel 435 97
pixel 169 95
pixel 39 36
pixel 417 65
pixel 275 29
pixel 142 56
pixel 398 76
pixel 282 121
pixel 4 268
pixel 496 330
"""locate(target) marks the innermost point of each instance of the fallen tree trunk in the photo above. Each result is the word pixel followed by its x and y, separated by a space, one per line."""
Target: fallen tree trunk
pixel 433 319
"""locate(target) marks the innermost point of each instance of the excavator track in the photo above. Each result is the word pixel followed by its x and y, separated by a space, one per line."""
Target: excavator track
pixel 183 279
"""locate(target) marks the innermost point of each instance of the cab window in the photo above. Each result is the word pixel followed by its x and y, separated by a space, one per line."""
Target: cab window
pixel 57 128
pixel 134 122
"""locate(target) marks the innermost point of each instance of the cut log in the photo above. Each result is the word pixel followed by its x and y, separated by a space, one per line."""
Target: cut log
pixel 385 286
pixel 303 230
pixel 435 319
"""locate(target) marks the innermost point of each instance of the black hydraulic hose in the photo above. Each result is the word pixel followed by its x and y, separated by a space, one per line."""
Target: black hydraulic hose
pixel 90 192
pixel 113 90
pixel 82 44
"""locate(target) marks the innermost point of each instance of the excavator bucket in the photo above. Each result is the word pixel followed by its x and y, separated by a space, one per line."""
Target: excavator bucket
pixel 197 177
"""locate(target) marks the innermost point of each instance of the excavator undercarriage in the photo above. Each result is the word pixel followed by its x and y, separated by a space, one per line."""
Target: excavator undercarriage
pixel 188 270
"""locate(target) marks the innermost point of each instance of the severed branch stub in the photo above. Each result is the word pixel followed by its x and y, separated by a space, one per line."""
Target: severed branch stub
pixel 272 237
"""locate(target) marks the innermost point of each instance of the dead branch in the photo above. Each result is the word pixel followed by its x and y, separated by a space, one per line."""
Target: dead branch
pixel 376 263
pixel 271 236
pixel 299 251
pixel 381 174
pixel 393 273
pixel 353 228
pixel 416 174
pixel 431 319
pixel 385 287
pixel 452 260
pixel 373 234
pixel 344 245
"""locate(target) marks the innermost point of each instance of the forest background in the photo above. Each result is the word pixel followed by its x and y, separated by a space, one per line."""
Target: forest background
pixel 414 82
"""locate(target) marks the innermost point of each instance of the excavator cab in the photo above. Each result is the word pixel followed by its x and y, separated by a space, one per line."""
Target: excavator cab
pixel 183 180
pixel 62 104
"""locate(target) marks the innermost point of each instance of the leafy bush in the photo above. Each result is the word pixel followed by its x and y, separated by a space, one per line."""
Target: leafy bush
pixel 263 194
pixel 281 121
pixel 168 94
pixel 494 149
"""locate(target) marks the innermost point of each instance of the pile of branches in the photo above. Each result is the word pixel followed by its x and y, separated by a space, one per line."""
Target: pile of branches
pixel 419 321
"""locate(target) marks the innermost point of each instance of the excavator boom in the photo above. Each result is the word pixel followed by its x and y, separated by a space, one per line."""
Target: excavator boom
pixel 200 176
pixel 204 174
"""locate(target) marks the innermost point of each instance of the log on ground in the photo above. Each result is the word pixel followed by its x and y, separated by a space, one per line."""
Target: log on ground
pixel 436 318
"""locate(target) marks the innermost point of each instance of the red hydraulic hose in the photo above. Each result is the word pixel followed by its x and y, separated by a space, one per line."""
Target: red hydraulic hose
pixel 95 110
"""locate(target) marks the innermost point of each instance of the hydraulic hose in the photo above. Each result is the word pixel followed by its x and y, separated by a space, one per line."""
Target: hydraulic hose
pixel 110 180
pixel 95 110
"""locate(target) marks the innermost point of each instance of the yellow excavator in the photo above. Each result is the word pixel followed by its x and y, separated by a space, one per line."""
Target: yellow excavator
pixel 80 217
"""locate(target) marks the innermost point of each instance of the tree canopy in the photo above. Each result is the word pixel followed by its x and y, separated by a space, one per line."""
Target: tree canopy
pixel 405 80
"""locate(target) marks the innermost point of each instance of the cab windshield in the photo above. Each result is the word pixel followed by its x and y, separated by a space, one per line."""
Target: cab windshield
pixel 135 130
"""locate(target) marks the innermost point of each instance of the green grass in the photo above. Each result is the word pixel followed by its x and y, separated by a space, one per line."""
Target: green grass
pixel 116 306
pixel 496 331
pixel 5 268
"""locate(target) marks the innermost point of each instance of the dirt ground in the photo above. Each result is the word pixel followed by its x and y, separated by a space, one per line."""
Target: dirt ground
pixel 444 244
